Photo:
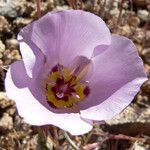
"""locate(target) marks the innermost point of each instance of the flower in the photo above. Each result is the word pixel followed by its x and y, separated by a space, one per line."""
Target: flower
pixel 73 72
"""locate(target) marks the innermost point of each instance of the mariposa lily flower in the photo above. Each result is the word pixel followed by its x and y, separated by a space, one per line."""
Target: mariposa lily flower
pixel 73 72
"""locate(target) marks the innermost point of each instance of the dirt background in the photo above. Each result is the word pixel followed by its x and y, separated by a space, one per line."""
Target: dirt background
pixel 130 130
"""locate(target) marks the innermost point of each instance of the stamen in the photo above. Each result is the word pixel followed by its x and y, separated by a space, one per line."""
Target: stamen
pixel 75 95
pixel 51 83
pixel 64 89
pixel 60 69
pixel 81 67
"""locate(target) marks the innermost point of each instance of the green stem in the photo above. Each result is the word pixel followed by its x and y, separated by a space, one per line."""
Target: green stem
pixel 42 140
pixel 70 141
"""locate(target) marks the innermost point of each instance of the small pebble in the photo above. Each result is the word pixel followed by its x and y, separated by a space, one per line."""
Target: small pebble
pixel 6 122
pixel 12 44
pixel 2 46
pixel 143 15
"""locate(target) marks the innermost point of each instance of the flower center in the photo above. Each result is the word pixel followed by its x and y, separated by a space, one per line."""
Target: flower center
pixel 64 87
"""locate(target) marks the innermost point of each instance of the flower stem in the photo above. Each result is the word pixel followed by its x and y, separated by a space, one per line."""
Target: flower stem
pixel 70 141
pixel 42 139
pixel 120 13
pixel 88 137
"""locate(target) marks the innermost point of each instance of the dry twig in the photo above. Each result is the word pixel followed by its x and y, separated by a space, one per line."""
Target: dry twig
pixel 38 8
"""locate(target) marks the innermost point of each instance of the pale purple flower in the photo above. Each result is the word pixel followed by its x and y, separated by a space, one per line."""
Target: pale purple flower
pixel 73 72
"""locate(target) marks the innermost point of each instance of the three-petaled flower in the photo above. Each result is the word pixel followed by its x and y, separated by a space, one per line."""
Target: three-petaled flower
pixel 73 71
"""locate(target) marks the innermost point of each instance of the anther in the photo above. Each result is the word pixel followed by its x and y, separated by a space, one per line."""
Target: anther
pixel 75 95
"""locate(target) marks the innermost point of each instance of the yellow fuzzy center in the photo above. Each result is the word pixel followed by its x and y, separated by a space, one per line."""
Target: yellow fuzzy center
pixel 64 88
